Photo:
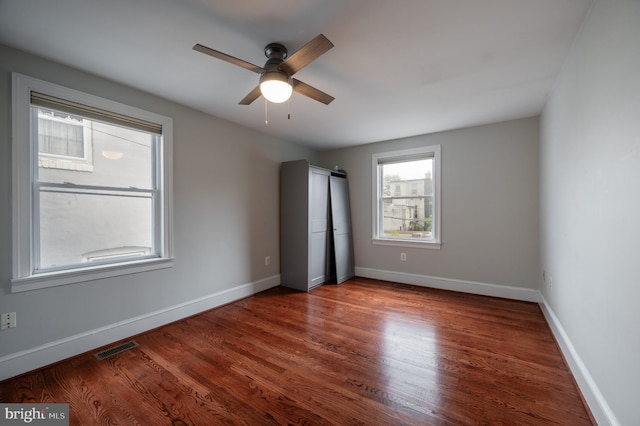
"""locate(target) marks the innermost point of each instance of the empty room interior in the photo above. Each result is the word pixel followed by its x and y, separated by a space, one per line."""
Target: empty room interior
pixel 320 212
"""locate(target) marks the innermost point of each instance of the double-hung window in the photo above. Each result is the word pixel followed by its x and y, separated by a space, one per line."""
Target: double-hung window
pixel 92 187
pixel 406 194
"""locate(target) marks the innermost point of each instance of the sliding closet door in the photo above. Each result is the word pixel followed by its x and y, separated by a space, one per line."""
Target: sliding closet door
pixel 342 238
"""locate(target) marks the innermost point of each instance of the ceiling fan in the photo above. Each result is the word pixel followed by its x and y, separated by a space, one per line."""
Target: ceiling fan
pixel 276 82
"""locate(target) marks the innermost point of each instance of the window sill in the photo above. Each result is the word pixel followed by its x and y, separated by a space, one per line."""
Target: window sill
pixel 53 279
pixel 433 245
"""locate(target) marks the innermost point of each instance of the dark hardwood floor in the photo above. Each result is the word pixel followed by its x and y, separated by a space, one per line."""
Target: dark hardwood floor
pixel 364 352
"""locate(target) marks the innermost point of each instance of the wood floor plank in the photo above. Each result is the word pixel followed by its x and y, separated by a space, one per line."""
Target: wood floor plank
pixel 363 352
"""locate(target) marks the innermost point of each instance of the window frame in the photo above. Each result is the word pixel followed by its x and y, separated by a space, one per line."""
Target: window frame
pixel 25 163
pixel 433 151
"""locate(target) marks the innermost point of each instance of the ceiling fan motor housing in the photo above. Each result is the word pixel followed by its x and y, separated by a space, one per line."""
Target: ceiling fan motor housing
pixel 275 75
pixel 275 51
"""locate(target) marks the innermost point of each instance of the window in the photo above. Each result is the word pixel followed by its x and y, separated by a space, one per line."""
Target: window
pixel 92 187
pixel 408 215
pixel 64 141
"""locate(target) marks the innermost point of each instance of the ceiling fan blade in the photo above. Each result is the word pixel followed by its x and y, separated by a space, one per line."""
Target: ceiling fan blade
pixel 228 58
pixel 252 96
pixel 307 53
pixel 311 92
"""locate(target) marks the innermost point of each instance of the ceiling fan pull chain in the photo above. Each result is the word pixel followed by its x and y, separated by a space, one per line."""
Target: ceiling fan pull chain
pixel 266 114
pixel 289 100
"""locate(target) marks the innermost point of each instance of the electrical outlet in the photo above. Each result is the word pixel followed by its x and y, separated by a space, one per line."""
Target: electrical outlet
pixel 403 257
pixel 8 320
pixel 267 261
pixel 550 281
pixel 544 275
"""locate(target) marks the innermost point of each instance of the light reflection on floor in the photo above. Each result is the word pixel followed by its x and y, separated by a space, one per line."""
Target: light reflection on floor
pixel 411 359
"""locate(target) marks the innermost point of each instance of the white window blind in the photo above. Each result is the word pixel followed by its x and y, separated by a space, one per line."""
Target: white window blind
pixel 52 102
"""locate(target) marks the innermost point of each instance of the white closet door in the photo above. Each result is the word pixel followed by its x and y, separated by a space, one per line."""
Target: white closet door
pixel 319 224
pixel 342 238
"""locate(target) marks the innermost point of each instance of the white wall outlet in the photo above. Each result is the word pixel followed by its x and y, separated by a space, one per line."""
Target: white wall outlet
pixel 403 257
pixel 8 320
pixel 550 281
pixel 267 260
pixel 544 275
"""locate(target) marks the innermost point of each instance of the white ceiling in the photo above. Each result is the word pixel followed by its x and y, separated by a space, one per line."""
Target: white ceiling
pixel 398 68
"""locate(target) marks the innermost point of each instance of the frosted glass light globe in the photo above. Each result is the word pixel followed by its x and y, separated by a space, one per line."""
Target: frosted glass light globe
pixel 275 87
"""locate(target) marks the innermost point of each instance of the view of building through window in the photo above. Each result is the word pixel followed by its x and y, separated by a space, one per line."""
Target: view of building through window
pixel 94 189
pixel 407 199
pixel 60 134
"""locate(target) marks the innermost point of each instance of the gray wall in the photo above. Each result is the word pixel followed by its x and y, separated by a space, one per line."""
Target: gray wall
pixel 586 158
pixel 226 217
pixel 489 205
pixel 590 201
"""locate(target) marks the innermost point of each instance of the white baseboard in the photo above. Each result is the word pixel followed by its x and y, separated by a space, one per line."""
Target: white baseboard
pixel 595 400
pixel 30 359
pixel 485 289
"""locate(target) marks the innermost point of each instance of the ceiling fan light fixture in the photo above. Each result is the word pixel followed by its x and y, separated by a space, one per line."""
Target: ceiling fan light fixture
pixel 275 86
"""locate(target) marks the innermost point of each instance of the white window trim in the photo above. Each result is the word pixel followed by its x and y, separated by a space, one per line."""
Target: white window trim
pixel 434 243
pixel 24 161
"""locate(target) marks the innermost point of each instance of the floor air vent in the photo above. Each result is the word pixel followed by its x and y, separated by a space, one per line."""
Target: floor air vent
pixel 115 350
pixel 404 286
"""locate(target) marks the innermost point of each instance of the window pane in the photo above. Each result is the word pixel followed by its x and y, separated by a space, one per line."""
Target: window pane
pixel 119 157
pixel 407 199
pixel 82 226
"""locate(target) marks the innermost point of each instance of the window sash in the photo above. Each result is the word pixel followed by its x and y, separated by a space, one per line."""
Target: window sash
pixel 67 187
pixel 89 190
